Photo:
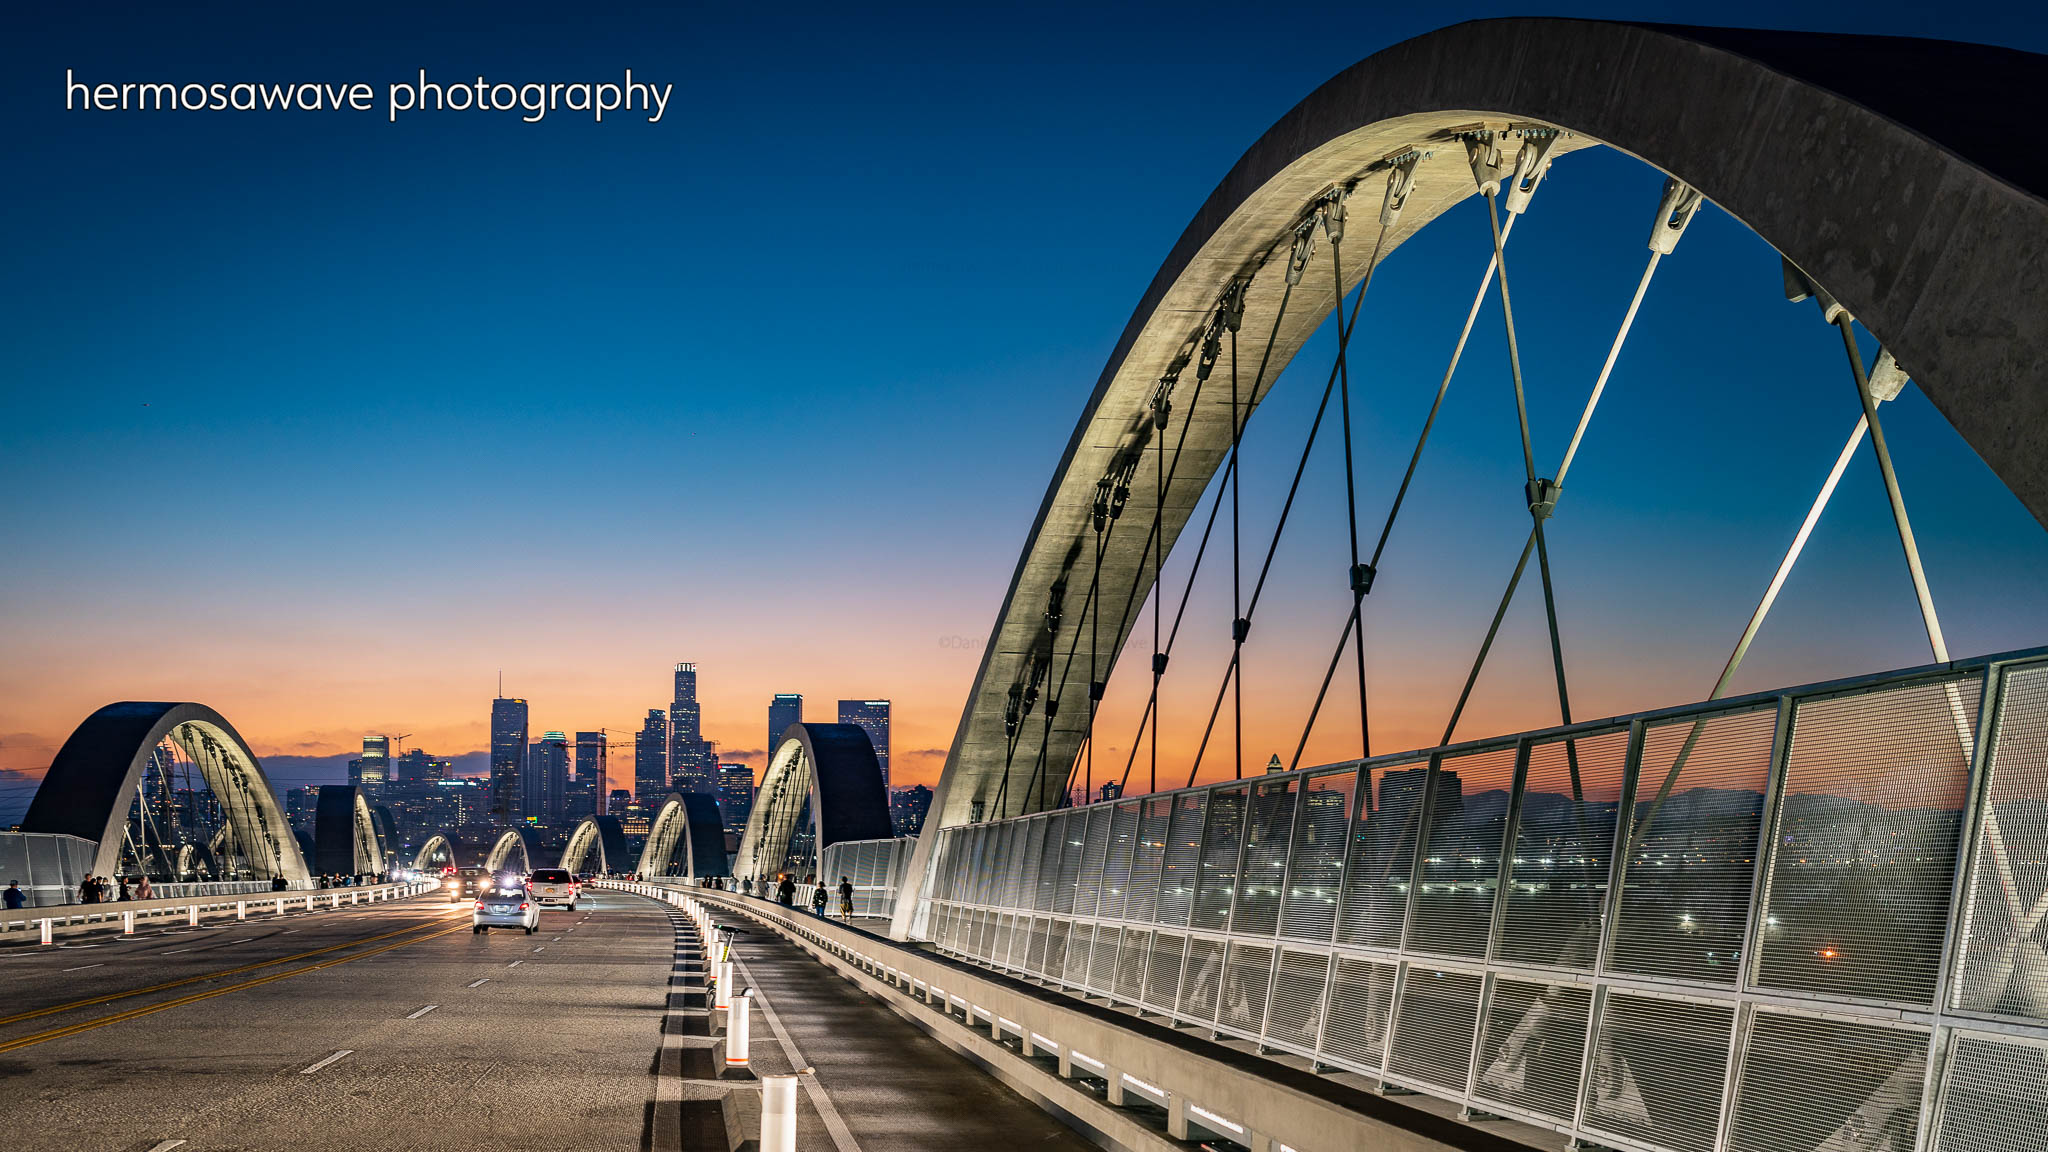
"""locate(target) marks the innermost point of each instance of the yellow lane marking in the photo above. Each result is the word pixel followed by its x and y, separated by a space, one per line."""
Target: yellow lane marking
pixel 151 1009
pixel 112 996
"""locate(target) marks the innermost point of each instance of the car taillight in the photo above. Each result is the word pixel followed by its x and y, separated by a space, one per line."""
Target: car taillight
pixel 522 905
pixel 479 905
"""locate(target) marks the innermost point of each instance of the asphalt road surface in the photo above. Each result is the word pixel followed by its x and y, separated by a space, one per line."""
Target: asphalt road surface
pixel 394 1027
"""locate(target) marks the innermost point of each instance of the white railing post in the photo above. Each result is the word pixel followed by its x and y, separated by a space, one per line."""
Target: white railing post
pixel 738 1020
pixel 127 923
pixel 280 905
pixel 778 1114
pixel 352 895
pixel 241 909
pixel 309 901
pixel 47 935
pixel 192 915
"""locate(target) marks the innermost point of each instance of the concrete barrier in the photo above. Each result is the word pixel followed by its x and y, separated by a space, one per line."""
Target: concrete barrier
pixel 123 916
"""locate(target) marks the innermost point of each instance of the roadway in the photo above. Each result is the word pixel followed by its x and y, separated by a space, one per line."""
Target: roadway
pixel 226 1037
pixel 394 1027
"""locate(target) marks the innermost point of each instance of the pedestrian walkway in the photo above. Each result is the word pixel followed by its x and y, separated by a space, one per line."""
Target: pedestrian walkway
pixel 881 1083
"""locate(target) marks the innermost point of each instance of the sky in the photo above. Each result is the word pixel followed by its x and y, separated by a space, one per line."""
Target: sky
pixel 328 421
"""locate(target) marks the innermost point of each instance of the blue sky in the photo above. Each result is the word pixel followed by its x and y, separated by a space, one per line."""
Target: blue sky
pixel 326 420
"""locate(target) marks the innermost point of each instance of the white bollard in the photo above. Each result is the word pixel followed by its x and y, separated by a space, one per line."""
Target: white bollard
pixel 47 936
pixel 778 1114
pixel 280 905
pixel 309 902
pixel 724 999
pixel 127 923
pixel 352 894
pixel 192 915
pixel 241 909
pixel 739 1019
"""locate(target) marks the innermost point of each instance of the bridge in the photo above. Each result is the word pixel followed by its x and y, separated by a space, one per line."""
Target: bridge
pixel 1801 920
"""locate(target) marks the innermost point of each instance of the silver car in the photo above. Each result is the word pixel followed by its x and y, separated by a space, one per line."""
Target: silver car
pixel 505 906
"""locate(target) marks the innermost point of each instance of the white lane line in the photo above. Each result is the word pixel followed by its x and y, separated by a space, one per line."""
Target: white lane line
pixel 318 1065
pixel 481 983
pixel 842 1138
pixel 422 1012
pixel 515 964
pixel 165 1145
pixel 174 951
pixel 83 967
pixel 541 948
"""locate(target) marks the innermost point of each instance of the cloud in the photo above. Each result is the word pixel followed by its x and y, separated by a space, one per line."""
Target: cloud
pixel 918 754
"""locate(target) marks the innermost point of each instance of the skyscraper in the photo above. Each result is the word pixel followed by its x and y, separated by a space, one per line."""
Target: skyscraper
pixel 544 785
pixel 508 755
pixel 650 758
pixel 735 794
pixel 691 765
pixel 872 715
pixel 785 709
pixel 588 794
pixel 376 759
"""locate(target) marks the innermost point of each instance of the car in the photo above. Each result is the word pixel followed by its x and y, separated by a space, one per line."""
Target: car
pixel 554 886
pixel 465 883
pixel 504 906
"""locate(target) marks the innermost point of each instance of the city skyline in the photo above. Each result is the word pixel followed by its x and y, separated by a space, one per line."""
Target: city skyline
pixel 308 647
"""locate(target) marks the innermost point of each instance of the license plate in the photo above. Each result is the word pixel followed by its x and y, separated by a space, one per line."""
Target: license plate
pixel 501 909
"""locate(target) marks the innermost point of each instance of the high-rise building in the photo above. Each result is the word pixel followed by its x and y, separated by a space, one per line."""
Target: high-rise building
pixel 416 766
pixel 735 794
pixel 650 758
pixel 544 786
pixel 618 803
pixel 588 794
pixel 692 765
pixel 785 709
pixel 376 759
pixel 908 808
pixel 873 715
pixel 508 755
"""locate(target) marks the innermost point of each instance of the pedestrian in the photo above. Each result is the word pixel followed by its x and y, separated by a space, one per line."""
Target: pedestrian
pixel 88 892
pixel 818 898
pixel 143 891
pixel 845 898
pixel 785 892
pixel 125 895
pixel 276 884
pixel 15 897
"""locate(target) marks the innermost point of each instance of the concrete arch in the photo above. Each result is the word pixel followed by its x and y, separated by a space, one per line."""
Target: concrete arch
pixel 1906 202
pixel 1900 200
pixel 92 782
pixel 511 842
pixel 443 842
pixel 832 769
pixel 345 836
pixel 688 824
pixel 602 836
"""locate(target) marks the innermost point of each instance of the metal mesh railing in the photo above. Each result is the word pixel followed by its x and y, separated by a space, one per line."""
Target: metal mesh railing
pixel 1804 921
pixel 875 868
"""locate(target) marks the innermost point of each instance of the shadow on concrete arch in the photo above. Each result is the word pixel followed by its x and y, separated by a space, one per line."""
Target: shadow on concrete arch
pixel 688 826
pixel 346 839
pixel 827 770
pixel 93 781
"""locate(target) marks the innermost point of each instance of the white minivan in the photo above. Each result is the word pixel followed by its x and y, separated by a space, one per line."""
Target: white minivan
pixel 554 886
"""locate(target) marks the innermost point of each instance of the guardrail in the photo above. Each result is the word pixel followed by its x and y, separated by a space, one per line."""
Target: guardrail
pixel 1774 922
pixel 125 915
pixel 1130 1083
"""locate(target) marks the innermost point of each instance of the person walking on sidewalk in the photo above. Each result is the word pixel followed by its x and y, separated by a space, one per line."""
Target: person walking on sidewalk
pixel 845 898
pixel 818 898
